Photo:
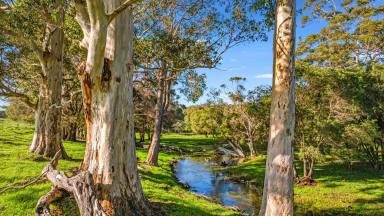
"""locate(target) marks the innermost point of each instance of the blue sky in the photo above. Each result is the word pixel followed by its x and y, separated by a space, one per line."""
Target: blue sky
pixel 252 61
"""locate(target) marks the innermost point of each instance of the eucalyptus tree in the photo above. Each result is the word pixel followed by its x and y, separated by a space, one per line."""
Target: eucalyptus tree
pixel 278 183
pixel 245 117
pixel 38 27
pixel 353 34
pixel 351 44
pixel 109 183
pixel 177 37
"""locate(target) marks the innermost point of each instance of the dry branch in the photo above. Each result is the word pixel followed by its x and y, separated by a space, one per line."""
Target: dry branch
pixel 80 185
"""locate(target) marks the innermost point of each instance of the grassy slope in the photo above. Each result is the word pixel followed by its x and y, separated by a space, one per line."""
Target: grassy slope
pixel 16 165
pixel 339 191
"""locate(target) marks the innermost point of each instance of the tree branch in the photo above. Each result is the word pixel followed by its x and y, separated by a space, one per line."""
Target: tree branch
pixel 9 92
pixel 120 9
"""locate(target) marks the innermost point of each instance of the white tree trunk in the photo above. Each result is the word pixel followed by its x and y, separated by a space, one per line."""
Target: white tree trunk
pixel 279 174
pixel 113 162
pixel 109 184
pixel 38 141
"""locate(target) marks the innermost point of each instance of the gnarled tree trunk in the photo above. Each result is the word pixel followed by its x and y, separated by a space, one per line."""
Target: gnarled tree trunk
pixel 47 137
pixel 279 174
pixel 113 163
pixel 110 184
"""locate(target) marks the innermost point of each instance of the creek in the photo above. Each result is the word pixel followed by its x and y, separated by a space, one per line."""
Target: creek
pixel 204 177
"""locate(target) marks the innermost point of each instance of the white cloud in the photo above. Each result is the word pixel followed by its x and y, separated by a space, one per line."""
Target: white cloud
pixel 264 76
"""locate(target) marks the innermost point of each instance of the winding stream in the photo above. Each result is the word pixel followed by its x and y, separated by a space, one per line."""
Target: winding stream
pixel 203 179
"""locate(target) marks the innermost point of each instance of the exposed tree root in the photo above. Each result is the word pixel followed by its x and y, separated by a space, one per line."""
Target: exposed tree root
pixel 42 207
pixel 306 181
pixel 24 184
pixel 80 185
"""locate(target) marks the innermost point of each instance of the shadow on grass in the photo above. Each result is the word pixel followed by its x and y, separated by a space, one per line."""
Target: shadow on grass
pixel 165 208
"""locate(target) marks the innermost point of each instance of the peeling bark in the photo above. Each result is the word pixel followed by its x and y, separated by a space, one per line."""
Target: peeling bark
pixel 279 174
pixel 109 184
pixel 47 137
pixel 85 82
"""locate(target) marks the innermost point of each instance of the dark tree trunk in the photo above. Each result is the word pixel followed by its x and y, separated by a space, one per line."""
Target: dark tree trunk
pixel 70 133
pixel 153 152
pixel 142 136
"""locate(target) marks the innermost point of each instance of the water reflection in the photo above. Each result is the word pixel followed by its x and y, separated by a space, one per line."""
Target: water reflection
pixel 203 179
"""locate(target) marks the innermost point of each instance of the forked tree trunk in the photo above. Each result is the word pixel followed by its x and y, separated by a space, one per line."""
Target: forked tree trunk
pixel 113 162
pixel 279 174
pixel 153 152
pixel 251 147
pixel 47 137
pixel 110 185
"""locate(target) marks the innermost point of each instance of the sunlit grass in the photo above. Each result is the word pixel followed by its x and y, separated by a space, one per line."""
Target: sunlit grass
pixel 339 191
pixel 17 165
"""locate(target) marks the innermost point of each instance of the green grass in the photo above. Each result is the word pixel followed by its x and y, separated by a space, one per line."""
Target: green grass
pixel 339 191
pixel 17 165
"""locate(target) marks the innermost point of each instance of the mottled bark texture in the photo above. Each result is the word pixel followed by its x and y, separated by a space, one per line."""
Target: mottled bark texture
pixel 110 184
pixel 279 174
pixel 85 82
pixel 47 136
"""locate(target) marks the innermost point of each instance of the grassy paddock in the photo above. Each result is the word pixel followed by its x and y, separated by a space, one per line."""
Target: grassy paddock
pixel 339 191
pixel 17 165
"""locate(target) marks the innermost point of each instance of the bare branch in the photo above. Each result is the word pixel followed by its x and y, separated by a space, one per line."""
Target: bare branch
pixel 120 9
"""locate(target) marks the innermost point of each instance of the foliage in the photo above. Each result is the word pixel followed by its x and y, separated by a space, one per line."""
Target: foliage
pixel 244 121
pixel 353 34
pixel 17 110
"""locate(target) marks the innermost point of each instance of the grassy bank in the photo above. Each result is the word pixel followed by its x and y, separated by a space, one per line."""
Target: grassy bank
pixel 17 165
pixel 339 191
